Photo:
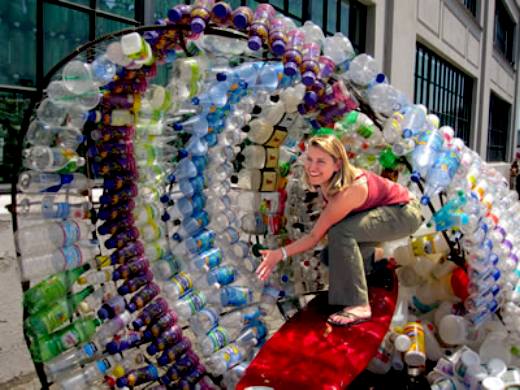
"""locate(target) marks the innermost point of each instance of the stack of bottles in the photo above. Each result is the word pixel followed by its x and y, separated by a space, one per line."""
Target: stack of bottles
pixel 191 168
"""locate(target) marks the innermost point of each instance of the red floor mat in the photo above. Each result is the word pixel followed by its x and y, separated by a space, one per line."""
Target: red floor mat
pixel 308 353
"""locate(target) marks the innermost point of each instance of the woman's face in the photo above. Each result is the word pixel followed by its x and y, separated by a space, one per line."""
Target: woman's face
pixel 319 166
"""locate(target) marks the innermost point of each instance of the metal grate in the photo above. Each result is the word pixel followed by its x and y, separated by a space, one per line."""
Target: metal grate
pixel 498 133
pixel 504 31
pixel 444 90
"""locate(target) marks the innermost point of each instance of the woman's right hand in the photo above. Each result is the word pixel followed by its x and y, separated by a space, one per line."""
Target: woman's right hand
pixel 270 258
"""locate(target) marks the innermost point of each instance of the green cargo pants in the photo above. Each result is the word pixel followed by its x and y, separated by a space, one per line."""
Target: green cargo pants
pixel 351 244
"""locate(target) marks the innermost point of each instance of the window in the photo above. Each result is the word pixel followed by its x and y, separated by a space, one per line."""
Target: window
pixel 499 113
pixel 504 31
pixel 444 90
pixel 472 6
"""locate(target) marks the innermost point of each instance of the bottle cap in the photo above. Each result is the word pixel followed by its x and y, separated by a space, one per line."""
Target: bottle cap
pixel 310 98
pixel 221 76
pixel 123 289
pixel 174 14
pixel 163 359
pixel 112 347
pixel 152 349
pixel 198 25
pixel 137 323
pixel 254 43
pixel 122 382
pixel 240 20
pixel 165 217
pixel 308 78
pixel 246 129
pixel 103 313
pixel 220 10
pixel 291 68
pixel 278 47
pixel 131 307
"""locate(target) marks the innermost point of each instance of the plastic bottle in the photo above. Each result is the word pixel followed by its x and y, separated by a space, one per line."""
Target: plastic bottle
pixel 427 149
pixel 51 289
pixel 49 208
pixel 189 304
pixel 277 36
pixel 415 356
pixel 242 17
pixel 112 327
pixel 150 312
pixel 51 318
pixel 185 207
pixel 166 321
pixel 362 70
pixel 216 339
pixel 168 338
pixel 48 347
pixel 52 159
pixel 455 330
pixel 40 133
pixel 138 376
pixel 229 356
pixel 171 354
pixel 259 29
pixel 145 295
pixel 66 258
pixel 441 173
pixel 338 48
pixel 60 95
pixel 32 181
pixel 292 57
pixel 57 366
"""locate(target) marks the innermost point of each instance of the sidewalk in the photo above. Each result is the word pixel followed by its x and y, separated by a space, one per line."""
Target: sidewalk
pixel 17 369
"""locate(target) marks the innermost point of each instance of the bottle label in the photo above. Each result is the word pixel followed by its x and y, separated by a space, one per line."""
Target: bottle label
pixel 219 338
pixel 223 275
pixel 269 180
pixel 230 235
pixel 70 338
pixel 154 250
pixel 277 137
pixel 251 314
pixel 271 157
pixel 196 301
pixel 236 296
pixel 72 256
pixel 231 355
pixel 212 260
pixel 182 281
pixel 71 232
pixel 56 210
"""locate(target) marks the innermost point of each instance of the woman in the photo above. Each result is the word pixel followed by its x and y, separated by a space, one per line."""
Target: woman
pixel 361 209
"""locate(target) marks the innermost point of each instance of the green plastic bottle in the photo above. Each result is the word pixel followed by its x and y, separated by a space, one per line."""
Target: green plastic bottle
pixel 51 289
pixel 48 347
pixel 51 318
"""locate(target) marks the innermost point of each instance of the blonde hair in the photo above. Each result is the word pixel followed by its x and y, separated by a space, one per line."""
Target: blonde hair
pixel 342 178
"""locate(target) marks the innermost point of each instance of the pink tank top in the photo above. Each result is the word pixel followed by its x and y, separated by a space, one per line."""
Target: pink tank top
pixel 382 192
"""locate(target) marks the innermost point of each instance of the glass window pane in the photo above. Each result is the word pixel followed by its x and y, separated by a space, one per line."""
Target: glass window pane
pixel 81 2
pixel 124 8
pixel 344 17
pixel 12 110
pixel 105 26
pixel 331 16
pixel 317 12
pixel 295 8
pixel 64 30
pixel 17 30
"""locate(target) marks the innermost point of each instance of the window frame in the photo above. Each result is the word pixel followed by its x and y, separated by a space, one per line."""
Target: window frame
pixel 497 108
pixel 446 90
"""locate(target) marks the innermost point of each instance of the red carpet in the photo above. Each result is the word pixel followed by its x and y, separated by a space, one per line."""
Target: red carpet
pixel 308 353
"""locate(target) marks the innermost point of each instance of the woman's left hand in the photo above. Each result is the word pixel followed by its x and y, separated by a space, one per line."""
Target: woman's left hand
pixel 269 260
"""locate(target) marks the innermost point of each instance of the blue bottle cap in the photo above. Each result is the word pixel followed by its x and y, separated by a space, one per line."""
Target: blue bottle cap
pixel 165 380
pixel 122 382
pixel 278 47
pixel 240 21
pixel 165 217
pixel 425 199
pixel 174 14
pixel 290 68
pixel 380 78
pixel 165 198
pixel 152 349
pixel 195 101
pixel 131 307
pixel 221 76
pixel 163 360
pixel 415 177
pixel 90 349
pixel 220 10
pixel 116 275
pixel 198 25
pixel 112 347
pixel 254 43
pixel 308 78
pixel 103 313
pixel 178 127
pixel 147 335
pixel 137 323
pixel 123 290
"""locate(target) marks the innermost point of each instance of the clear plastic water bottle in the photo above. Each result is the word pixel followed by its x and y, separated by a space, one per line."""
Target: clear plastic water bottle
pixel 40 133
pixel 60 364
pixel 60 95
pixel 229 356
pixel 338 48
pixel 428 146
pixel 441 173
pixel 362 70
pixel 47 236
pixel 48 208
pixel 66 258
pixel 56 159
